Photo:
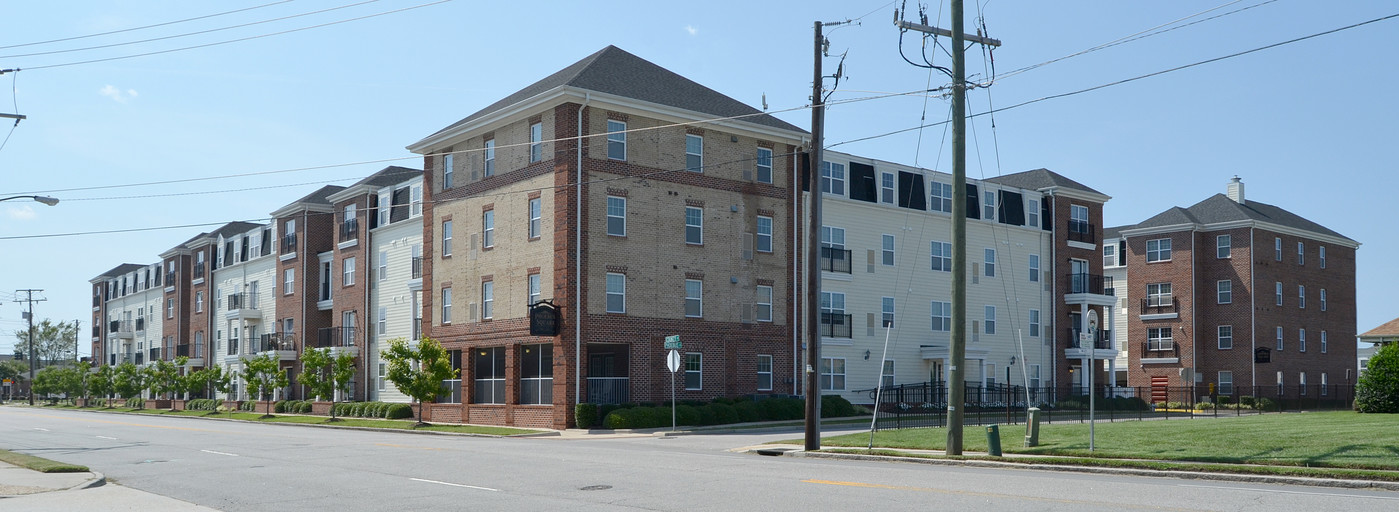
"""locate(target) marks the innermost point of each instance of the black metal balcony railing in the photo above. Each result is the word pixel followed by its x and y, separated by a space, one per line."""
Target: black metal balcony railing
pixel 112 360
pixel 96 331
pixel 275 341
pixel 1102 341
pixel 417 328
pixel 1080 231
pixel 1160 305
pixel 169 279
pixel 289 243
pixel 181 350
pixel 96 301
pixel 140 358
pixel 349 230
pixel 140 324
pixel 233 347
pixel 609 390
pixel 1160 348
pixel 835 260
pixel 155 354
pixel 1089 283
pixel 335 337
pixel 417 267
pixel 198 270
pixel 242 301
pixel 113 326
pixel 835 325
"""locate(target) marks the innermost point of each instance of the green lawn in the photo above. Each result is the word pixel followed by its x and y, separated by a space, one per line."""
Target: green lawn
pixel 1339 439
pixel 39 464
pixel 323 420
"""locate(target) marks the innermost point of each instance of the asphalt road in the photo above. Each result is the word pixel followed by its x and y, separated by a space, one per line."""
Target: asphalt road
pixel 241 466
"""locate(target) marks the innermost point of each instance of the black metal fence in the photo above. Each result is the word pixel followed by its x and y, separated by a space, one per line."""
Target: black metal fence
pixel 924 405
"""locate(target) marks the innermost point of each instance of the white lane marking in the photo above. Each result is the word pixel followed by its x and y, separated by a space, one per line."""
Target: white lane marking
pixel 456 485
pixel 219 453
pixel 1278 491
pixel 105 437
pixel 41 429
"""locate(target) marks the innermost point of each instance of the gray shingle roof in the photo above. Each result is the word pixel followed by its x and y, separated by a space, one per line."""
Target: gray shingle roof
pixel 1040 178
pixel 614 71
pixel 1219 208
pixel 1114 232
pixel 388 176
pixel 317 197
pixel 121 269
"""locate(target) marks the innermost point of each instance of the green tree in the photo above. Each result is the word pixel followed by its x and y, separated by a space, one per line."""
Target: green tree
pixel 325 375
pixel 47 382
pixel 419 372
pixel 104 382
pixel 212 379
pixel 166 378
pixel 15 370
pixel 52 341
pixel 129 380
pixel 1377 391
pixel 264 375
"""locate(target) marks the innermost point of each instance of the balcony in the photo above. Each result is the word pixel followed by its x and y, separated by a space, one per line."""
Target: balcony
pixel 415 282
pixel 338 339
pixel 154 354
pixel 233 347
pixel 1081 231
pixel 198 271
pixel 1100 347
pixel 140 359
pixel 835 325
pixel 289 243
pixel 1102 342
pixel 609 390
pixel 244 306
pixel 96 301
pixel 1160 307
pixel 1160 351
pixel 1087 283
pixel 140 325
pixel 169 279
pixel 281 344
pixel 121 330
pixel 349 230
pixel 835 260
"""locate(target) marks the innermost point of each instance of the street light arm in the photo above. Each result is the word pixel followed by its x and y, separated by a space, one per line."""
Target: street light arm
pixel 43 199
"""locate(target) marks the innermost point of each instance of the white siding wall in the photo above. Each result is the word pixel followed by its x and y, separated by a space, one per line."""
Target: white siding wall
pixel 397 240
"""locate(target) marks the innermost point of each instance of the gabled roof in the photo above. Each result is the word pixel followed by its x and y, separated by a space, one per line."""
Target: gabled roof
pixel 235 228
pixel 1114 232
pixel 614 71
pixel 390 175
pixel 118 270
pixel 317 199
pixel 1041 178
pixel 1219 209
pixel 1390 328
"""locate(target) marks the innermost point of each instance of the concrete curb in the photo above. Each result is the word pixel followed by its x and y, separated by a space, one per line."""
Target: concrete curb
pixel 1028 465
pixel 97 480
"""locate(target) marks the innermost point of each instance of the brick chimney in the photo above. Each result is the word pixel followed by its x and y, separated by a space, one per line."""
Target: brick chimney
pixel 1236 190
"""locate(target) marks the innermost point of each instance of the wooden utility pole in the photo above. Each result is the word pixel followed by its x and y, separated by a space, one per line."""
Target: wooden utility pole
pixel 29 297
pixel 958 352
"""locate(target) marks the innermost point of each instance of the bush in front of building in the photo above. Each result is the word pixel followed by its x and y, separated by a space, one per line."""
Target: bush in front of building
pixel 248 406
pixel 1377 391
pixel 398 411
pixel 722 411
pixel 836 406
pixel 136 403
pixel 203 404
pixel 585 415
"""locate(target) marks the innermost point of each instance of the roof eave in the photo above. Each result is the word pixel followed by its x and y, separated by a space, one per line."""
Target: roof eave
pixel 1074 193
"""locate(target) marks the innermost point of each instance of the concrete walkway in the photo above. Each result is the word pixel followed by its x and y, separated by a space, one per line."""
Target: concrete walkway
pixel 29 490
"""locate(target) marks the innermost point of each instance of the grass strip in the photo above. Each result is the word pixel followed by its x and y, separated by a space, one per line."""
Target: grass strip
pixel 323 420
pixel 39 464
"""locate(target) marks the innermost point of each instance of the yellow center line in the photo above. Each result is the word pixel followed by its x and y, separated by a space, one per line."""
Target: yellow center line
pixel 989 494
pixel 129 424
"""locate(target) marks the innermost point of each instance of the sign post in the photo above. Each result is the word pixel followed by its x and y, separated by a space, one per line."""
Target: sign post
pixel 1092 346
pixel 672 362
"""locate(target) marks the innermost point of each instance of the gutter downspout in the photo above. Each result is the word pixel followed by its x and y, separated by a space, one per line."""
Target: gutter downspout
pixel 369 315
pixel 305 278
pixel 1252 316
pixel 796 278
pixel 578 258
pixel 1194 345
pixel 1054 293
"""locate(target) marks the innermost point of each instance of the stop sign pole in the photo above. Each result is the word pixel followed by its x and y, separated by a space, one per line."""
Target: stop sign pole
pixel 672 361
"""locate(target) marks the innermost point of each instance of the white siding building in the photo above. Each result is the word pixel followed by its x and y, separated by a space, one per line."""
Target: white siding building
pixel 245 307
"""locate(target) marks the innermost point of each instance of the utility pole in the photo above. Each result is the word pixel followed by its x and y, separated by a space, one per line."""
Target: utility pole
pixel 29 294
pixel 958 352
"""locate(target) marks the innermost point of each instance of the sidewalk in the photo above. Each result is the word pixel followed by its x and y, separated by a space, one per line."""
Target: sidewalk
pixel 28 490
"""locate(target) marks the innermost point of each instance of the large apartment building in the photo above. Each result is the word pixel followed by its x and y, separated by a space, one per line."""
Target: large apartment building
pixel 1246 297
pixel 682 225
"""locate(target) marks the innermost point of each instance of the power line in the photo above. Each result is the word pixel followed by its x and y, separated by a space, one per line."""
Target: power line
pixel 205 192
pixel 1126 80
pixel 143 27
pixel 249 38
pixel 187 34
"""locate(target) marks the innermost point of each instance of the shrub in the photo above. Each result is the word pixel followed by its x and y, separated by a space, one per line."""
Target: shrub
pixel 398 411
pixel 1246 401
pixel 304 407
pixel 136 403
pixel 585 415
pixel 620 418
pixel 1265 404
pixel 747 411
pixel 279 406
pixel 202 404
pixel 1377 391
pixel 836 406
pixel 249 406
pixel 724 413
pixel 687 415
pixel 357 409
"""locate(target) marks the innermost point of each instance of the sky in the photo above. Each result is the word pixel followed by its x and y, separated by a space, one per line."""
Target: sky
pixel 282 91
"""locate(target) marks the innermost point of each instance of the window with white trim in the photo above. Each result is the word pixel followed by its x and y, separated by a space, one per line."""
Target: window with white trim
pixel 988 206
pixel 447 168
pixel 348 274
pixel 383 265
pixel 1278 346
pixel 1301 340
pixel 1301 297
pixel 694 225
pixel 198 302
pixel 1301 254
pixel 1158 250
pixel 487 300
pixel 694 298
pixel 1224 291
pixel 764 304
pixel 1034 323
pixel 886 308
pixel 1222 246
pixel 1323 342
pixel 288 281
pixel 447 305
pixel 1158 294
pixel 1323 384
pixel 1034 268
pixel 942 256
pixel 886 375
pixel 170 308
pixel 1321 255
pixel 764 372
pixel 532 289
pixel 942 316
pixel 764 167
pixel 1226 383
pixel 1302 383
pixel 833 374
pixel 1277 290
pixel 488 160
pixel 488 229
pixel 833 178
pixel 887 250
pixel 616 216
pixel 886 187
pixel 1078 219
pixel 1159 338
pixel 536 142
pixel 1226 337
pixel 1277 248
pixel 616 140
pixel 1323 299
pixel 1032 214
pixel 616 293
pixel 940 199
pixel 764 238
pixel 383 320
pixel 990 265
pixel 694 371
pixel 446 238
pixel 415 200
pixel 1109 255
pixel 694 153
pixel 990 324
pixel 535 217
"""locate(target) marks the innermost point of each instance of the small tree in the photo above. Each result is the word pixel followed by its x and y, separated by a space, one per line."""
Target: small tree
pixel 47 382
pixel 82 380
pixel 163 378
pixel 419 372
pixel 263 375
pixel 325 375
pixel 212 379
pixel 1377 391
pixel 129 381
pixel 103 382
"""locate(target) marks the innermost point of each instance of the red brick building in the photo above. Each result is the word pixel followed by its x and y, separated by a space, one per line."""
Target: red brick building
pixel 1247 297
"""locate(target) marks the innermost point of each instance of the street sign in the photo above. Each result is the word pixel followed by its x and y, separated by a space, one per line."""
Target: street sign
pixel 672 361
pixel 672 342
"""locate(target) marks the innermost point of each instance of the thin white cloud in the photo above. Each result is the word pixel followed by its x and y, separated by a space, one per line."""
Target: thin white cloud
pixel 691 29
pixel 24 212
pixel 118 95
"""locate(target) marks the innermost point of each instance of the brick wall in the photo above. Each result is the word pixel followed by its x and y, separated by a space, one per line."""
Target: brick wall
pixel 1178 272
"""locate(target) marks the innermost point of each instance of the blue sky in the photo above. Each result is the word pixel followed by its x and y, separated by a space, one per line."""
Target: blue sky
pixel 1306 125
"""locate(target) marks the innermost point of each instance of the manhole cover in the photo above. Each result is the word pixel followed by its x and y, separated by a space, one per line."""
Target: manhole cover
pixel 595 488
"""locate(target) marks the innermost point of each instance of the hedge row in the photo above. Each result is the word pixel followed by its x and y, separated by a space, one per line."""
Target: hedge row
pixel 374 410
pixel 136 403
pixel 721 411
pixel 203 404
pixel 292 406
